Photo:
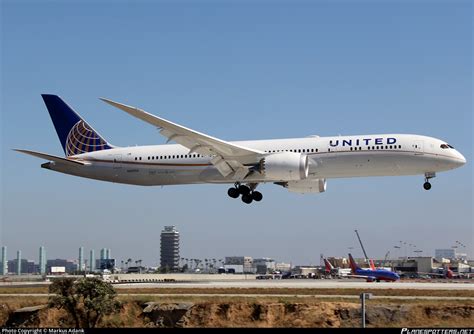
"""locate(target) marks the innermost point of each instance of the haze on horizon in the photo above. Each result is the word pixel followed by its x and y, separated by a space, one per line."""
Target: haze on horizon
pixel 236 71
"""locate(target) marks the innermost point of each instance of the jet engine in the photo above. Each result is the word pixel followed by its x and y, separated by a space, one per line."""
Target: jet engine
pixel 285 166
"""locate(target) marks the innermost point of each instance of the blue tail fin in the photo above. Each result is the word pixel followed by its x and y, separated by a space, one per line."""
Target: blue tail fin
pixel 75 134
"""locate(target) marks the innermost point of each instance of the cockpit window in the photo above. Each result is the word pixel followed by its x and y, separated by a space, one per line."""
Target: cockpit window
pixel 450 146
pixel 444 146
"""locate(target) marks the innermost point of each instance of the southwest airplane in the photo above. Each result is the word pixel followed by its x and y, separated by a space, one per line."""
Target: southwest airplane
pixel 300 165
pixel 372 275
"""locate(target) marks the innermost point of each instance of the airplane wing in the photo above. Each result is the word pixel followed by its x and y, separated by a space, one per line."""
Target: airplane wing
pixel 228 158
pixel 71 162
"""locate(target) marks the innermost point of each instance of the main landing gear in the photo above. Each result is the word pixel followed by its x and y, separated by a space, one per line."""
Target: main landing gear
pixel 248 192
pixel 427 184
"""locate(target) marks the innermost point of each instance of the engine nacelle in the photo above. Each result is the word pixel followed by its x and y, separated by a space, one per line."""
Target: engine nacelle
pixel 285 166
pixel 306 186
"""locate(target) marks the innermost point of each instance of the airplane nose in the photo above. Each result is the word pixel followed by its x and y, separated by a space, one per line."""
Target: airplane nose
pixel 460 160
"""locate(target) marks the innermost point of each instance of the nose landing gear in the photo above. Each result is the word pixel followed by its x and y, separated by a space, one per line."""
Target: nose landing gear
pixel 248 192
pixel 428 176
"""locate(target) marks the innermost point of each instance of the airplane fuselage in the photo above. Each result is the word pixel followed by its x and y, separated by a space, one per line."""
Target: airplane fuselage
pixel 378 275
pixel 328 157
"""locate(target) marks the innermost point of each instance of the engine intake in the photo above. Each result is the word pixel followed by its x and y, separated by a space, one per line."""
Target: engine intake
pixel 285 166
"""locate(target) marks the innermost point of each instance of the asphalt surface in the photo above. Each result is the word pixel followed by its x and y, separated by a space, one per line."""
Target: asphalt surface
pixel 308 284
pixel 292 284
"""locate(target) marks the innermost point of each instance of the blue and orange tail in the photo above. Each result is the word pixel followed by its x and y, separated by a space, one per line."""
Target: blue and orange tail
pixel 75 134
pixel 354 265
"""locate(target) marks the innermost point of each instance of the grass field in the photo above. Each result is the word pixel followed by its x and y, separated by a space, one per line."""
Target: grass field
pixel 260 291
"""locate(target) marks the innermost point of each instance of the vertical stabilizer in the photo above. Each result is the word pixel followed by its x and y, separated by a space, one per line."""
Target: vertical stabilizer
pixel 354 265
pixel 75 134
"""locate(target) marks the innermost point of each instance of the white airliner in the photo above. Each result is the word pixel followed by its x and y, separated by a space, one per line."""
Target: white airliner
pixel 300 165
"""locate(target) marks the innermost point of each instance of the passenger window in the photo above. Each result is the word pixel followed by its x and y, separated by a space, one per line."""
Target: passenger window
pixel 316 150
pixel 329 150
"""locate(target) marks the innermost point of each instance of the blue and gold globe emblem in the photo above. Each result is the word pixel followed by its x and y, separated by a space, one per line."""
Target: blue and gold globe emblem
pixel 82 139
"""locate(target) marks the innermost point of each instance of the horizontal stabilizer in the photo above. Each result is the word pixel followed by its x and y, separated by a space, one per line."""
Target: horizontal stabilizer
pixel 54 158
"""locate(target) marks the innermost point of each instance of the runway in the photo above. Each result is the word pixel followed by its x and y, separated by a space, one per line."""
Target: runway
pixel 306 284
pixel 283 284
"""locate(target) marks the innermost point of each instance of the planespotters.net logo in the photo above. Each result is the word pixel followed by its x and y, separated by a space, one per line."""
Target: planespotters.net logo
pixel 82 139
pixel 437 331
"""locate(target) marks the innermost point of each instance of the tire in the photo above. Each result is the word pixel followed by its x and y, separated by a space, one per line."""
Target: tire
pixel 247 199
pixel 257 196
pixel 427 186
pixel 233 192
pixel 244 190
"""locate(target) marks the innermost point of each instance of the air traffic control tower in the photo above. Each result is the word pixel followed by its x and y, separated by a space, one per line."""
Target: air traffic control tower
pixel 169 248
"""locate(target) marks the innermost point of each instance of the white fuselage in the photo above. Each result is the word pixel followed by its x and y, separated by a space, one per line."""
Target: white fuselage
pixel 329 157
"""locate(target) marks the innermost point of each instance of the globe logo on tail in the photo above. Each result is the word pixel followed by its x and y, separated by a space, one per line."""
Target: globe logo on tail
pixel 82 139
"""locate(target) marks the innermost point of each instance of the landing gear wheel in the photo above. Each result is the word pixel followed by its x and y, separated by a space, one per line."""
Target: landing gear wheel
pixel 427 185
pixel 257 196
pixel 247 198
pixel 233 192
pixel 244 190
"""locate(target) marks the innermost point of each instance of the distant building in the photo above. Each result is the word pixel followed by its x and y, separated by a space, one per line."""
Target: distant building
pixel 70 266
pixel 92 260
pixel 264 265
pixel 241 264
pixel 18 261
pixel 108 264
pixel 447 253
pixel 26 267
pixel 3 261
pixel 42 260
pixel 80 265
pixel 169 251
pixel 283 267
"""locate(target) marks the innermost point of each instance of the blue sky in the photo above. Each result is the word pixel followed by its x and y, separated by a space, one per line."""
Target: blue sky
pixel 236 70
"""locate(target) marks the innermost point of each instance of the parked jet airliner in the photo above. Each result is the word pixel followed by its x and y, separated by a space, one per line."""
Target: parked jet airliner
pixel 300 165
pixel 372 275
